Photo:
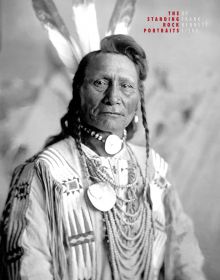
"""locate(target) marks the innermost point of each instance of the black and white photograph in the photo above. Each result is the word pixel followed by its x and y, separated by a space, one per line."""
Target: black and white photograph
pixel 109 140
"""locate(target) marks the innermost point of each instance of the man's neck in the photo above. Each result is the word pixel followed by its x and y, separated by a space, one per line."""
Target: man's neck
pixel 89 138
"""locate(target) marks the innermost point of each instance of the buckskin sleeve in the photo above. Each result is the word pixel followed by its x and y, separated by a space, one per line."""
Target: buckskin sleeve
pixel 183 257
pixel 24 245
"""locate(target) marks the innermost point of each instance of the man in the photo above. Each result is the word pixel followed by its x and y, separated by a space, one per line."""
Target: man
pixel 91 205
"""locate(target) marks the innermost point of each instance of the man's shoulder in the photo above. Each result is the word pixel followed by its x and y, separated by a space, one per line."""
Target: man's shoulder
pixel 61 159
pixel 53 157
pixel 158 162
pixel 60 153
pixel 62 146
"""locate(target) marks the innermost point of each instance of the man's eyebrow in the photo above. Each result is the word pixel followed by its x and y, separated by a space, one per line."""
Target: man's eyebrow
pixel 120 78
pixel 109 77
pixel 99 76
pixel 94 78
pixel 129 79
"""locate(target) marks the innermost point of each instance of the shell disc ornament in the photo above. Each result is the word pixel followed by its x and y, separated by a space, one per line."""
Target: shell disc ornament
pixel 113 144
pixel 102 196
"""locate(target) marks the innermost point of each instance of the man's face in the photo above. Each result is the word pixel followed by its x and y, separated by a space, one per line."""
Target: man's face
pixel 109 94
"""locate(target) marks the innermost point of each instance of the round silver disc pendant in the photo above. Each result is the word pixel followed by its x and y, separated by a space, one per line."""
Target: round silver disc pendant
pixel 113 144
pixel 102 196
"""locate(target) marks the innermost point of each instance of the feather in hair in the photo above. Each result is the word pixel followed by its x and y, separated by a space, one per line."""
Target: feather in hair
pixel 121 17
pixel 85 28
pixel 66 47
pixel 85 24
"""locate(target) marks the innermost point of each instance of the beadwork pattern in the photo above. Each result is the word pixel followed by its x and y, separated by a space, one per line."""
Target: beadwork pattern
pixel 128 225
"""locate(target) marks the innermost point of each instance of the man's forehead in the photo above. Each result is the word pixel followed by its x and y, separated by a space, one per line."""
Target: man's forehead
pixel 107 63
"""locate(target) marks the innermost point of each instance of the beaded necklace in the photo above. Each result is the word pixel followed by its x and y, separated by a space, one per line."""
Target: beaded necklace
pixel 113 143
pixel 128 225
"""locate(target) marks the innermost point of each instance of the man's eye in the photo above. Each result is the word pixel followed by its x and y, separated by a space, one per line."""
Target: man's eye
pixel 126 86
pixel 102 84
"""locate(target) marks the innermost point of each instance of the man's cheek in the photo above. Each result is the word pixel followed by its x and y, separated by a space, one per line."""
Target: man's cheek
pixel 88 111
pixel 132 106
pixel 85 103
pixel 91 101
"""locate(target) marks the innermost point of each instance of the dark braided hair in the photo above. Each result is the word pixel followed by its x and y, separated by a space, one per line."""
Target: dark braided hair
pixel 118 44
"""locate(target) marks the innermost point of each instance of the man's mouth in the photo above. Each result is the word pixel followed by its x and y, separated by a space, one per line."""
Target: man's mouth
pixel 111 113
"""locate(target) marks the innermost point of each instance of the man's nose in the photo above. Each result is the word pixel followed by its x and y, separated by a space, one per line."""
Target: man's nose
pixel 112 95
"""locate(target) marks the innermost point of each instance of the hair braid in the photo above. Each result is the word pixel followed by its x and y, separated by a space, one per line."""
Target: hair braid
pixel 74 120
pixel 78 134
pixel 144 117
pixel 145 125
